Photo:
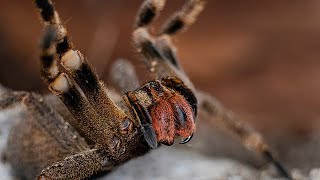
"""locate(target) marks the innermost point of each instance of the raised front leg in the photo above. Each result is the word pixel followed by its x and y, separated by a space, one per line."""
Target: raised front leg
pixel 97 119
pixel 160 56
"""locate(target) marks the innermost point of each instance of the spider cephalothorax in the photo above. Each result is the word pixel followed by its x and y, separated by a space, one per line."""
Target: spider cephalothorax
pixel 171 113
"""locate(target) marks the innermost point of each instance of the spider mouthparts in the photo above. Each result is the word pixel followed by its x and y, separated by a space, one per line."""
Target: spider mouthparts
pixel 186 140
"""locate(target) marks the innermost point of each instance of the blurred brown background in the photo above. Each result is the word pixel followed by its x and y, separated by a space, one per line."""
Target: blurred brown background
pixel 260 58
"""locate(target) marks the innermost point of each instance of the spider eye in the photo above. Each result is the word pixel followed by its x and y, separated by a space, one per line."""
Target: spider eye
pixel 126 126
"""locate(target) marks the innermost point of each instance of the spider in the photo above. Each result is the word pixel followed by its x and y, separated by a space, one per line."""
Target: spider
pixel 93 129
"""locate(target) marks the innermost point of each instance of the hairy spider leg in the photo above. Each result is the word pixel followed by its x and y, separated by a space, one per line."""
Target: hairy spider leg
pixel 105 112
pixel 80 70
pixel 77 166
pixel 179 21
pixel 61 85
pixel 251 139
pixel 148 11
pixel 145 44
pixel 161 57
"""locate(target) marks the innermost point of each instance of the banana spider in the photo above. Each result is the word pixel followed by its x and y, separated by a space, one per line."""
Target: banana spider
pixel 94 129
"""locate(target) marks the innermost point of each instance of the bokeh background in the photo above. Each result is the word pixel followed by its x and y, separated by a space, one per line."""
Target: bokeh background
pixel 260 58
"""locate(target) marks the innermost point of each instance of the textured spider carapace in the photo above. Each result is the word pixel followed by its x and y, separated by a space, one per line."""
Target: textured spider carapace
pixel 92 129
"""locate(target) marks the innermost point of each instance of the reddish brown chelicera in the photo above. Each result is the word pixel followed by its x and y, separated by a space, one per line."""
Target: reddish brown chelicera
pixel 172 117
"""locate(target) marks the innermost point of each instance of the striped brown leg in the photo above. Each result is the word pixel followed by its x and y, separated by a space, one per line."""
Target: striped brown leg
pixel 61 85
pixel 76 64
pixel 160 50
pixel 97 106
pixel 180 21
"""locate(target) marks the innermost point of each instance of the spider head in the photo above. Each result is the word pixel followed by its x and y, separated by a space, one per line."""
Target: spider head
pixel 166 109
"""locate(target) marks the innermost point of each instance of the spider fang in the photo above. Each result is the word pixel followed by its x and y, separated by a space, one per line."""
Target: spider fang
pixel 186 140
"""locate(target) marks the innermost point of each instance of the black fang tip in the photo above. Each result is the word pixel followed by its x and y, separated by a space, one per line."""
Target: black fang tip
pixel 186 140
pixel 149 135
